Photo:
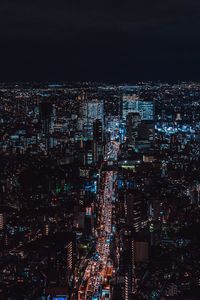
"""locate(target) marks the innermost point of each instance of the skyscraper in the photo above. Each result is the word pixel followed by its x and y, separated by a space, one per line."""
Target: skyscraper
pixel 97 140
pixel 129 105
pixel 146 131
pixel 132 122
pixel 132 103
pixel 45 109
pixel 133 251
pixel 97 131
pixel 93 110
pixel 90 111
pixel 135 211
pixel 146 109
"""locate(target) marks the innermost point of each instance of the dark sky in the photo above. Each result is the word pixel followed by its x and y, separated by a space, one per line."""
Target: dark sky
pixel 107 40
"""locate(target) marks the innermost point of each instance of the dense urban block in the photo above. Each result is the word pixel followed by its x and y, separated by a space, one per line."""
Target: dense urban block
pixel 100 191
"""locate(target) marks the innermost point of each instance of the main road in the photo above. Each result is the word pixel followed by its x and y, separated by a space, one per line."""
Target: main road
pixel 95 282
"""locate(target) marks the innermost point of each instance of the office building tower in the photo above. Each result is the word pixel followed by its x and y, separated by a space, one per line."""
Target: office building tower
pixel 45 109
pixel 93 110
pixel 97 140
pixel 146 109
pixel 134 250
pixel 134 209
pixel 132 103
pixel 97 131
pixel 132 123
pixel 90 111
pixel 146 131
pixel 129 105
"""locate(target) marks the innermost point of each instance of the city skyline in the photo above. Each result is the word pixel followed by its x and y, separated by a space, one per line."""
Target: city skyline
pixel 99 150
pixel 100 191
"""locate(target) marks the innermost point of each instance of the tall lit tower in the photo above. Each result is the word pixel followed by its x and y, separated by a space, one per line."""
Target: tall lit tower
pixel 91 110
pixel 132 103
pixel 97 140
pixel 45 109
pixel 132 122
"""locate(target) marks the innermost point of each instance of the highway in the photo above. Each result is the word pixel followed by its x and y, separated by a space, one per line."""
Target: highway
pixel 95 282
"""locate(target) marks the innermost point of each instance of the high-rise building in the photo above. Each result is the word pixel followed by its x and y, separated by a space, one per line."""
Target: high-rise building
pixel 146 131
pixel 97 131
pixel 132 103
pixel 146 109
pixel 129 105
pixel 132 122
pixel 134 209
pixel 93 110
pixel 133 251
pixel 45 109
pixel 90 111
pixel 97 140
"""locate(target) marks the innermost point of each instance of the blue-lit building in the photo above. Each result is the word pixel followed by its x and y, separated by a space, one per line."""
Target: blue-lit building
pixel 133 104
pixel 146 109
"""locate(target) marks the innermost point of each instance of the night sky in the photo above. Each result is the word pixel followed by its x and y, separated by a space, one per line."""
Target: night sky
pixel 101 40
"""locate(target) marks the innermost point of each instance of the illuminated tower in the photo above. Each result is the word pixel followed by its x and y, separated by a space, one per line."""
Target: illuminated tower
pixel 129 105
pixel 45 116
pixel 45 109
pixel 132 122
pixel 97 140
pixel 91 111
pixel 146 109
pixel 132 103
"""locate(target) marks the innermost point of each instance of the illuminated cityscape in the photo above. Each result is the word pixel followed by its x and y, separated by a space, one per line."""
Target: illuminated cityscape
pixel 99 150
pixel 100 191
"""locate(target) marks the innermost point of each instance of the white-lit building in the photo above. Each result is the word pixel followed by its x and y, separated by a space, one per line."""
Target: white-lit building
pixel 129 105
pixel 91 111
